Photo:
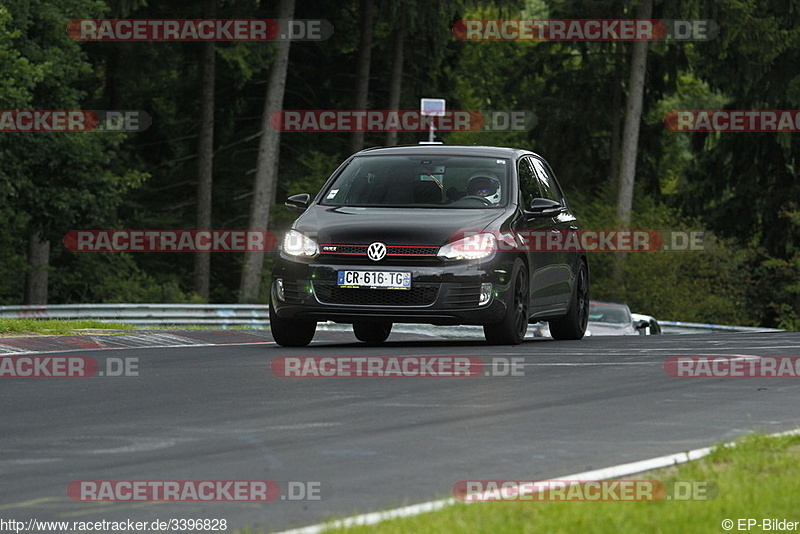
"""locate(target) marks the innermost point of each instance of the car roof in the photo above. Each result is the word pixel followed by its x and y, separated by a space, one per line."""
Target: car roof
pixel 446 150
pixel 608 304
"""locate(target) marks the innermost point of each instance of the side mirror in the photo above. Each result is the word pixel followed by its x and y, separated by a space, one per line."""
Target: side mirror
pixel 641 325
pixel 298 202
pixel 543 207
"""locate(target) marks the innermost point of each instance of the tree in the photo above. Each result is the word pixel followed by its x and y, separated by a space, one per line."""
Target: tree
pixel 630 133
pixel 746 186
pixel 57 180
pixel 205 158
pixel 266 164
pixel 633 119
pixel 367 10
pixel 396 75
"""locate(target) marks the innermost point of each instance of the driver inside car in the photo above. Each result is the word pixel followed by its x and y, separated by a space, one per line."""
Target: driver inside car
pixel 484 185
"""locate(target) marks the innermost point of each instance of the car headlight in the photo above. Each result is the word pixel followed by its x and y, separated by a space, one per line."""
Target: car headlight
pixel 473 247
pixel 297 244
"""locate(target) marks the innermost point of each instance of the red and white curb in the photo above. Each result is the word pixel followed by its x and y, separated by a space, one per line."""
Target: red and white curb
pixel 18 346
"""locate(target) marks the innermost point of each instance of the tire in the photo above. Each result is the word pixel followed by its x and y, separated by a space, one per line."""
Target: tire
pixel 371 332
pixel 291 332
pixel 573 324
pixel 511 329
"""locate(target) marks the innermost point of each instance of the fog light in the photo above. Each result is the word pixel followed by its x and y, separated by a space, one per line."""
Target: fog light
pixel 279 289
pixel 486 294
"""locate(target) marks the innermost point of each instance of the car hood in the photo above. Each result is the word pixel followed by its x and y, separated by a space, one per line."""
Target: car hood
pixel 393 226
pixel 611 329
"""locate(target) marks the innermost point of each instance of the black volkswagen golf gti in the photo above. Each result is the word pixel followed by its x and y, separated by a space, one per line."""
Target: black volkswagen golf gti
pixel 430 234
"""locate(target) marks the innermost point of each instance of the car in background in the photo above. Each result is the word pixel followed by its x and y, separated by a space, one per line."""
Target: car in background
pixel 613 319
pixel 430 234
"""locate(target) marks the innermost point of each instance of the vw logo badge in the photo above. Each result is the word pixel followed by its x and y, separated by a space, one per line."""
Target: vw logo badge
pixel 376 251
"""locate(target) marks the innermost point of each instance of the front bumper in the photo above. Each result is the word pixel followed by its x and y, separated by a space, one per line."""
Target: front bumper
pixel 446 294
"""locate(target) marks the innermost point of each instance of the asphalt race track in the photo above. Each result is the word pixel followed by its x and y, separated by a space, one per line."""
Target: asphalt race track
pixel 219 413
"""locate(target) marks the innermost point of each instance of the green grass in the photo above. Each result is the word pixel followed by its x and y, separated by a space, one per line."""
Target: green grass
pixel 215 328
pixel 55 326
pixel 758 478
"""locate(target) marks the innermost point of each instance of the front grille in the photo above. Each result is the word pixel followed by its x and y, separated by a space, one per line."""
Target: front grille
pixel 462 296
pixel 393 263
pixel 412 251
pixel 391 250
pixel 420 294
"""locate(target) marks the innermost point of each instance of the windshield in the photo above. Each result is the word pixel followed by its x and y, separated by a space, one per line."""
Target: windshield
pixel 421 181
pixel 601 313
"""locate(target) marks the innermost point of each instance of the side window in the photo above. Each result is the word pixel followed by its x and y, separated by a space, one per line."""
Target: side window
pixel 547 181
pixel 528 185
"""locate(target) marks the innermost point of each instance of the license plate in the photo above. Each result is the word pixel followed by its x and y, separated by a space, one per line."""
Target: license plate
pixel 373 279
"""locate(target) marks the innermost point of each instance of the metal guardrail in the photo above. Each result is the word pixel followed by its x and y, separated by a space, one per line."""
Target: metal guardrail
pixel 222 315
pixel 226 315
pixel 679 326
